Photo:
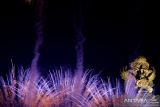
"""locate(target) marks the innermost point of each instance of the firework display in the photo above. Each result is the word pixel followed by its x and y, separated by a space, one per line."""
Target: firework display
pixel 63 89
pixel 76 87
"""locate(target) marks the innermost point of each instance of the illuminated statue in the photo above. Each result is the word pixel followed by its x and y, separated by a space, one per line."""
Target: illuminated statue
pixel 141 73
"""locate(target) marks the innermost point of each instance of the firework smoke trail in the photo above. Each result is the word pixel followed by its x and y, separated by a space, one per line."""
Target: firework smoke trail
pixel 79 50
pixel 78 22
pixel 39 34
pixel 34 74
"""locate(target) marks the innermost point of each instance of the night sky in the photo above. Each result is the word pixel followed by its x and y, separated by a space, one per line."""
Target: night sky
pixel 113 29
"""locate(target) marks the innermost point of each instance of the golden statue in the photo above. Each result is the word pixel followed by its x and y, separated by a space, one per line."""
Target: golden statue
pixel 140 69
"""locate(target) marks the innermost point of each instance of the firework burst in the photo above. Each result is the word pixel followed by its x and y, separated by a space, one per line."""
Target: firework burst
pixel 62 89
